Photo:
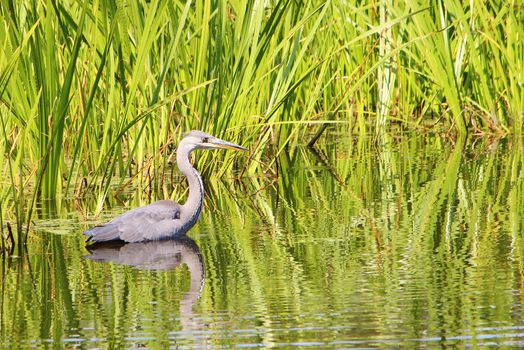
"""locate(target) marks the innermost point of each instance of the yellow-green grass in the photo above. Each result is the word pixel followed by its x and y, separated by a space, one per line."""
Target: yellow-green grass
pixel 93 93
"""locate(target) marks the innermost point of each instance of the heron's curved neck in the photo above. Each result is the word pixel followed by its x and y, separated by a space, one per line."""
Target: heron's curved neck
pixel 192 208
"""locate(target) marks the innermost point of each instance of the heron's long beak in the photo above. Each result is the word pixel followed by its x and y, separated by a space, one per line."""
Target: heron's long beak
pixel 218 143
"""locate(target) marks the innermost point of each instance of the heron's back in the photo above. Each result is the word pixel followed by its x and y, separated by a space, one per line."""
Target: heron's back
pixel 158 220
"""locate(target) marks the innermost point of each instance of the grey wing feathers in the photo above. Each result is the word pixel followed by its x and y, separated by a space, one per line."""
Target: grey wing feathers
pixel 103 233
pixel 151 222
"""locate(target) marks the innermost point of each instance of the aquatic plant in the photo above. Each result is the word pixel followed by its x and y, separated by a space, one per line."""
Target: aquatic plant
pixel 95 93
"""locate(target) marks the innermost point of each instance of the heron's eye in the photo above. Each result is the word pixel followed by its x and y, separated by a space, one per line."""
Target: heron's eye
pixel 205 140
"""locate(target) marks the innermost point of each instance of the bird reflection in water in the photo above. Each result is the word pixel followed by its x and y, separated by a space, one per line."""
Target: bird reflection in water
pixel 160 255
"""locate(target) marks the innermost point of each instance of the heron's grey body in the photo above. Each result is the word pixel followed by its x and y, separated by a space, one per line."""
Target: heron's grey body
pixel 165 219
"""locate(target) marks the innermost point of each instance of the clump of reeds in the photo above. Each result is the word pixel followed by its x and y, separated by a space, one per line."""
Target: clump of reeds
pixel 93 92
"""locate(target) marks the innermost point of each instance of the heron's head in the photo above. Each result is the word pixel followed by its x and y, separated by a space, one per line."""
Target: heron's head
pixel 202 140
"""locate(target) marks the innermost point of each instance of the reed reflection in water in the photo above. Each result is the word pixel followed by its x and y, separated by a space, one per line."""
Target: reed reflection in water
pixel 418 245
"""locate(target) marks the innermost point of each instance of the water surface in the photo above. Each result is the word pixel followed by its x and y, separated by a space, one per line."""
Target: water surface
pixel 410 242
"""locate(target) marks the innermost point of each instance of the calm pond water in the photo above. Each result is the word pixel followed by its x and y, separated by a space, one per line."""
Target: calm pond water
pixel 413 242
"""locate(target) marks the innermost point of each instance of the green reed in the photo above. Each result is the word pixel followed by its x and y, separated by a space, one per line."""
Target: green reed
pixel 93 92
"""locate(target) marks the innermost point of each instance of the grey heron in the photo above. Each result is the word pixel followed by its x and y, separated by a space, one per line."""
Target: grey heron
pixel 165 219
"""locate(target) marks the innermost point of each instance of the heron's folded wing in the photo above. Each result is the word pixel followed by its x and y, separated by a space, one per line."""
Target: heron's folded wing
pixel 165 229
pixel 138 224
pixel 152 222
pixel 159 210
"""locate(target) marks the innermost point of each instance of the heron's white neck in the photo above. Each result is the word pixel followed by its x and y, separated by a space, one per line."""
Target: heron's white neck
pixel 192 208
